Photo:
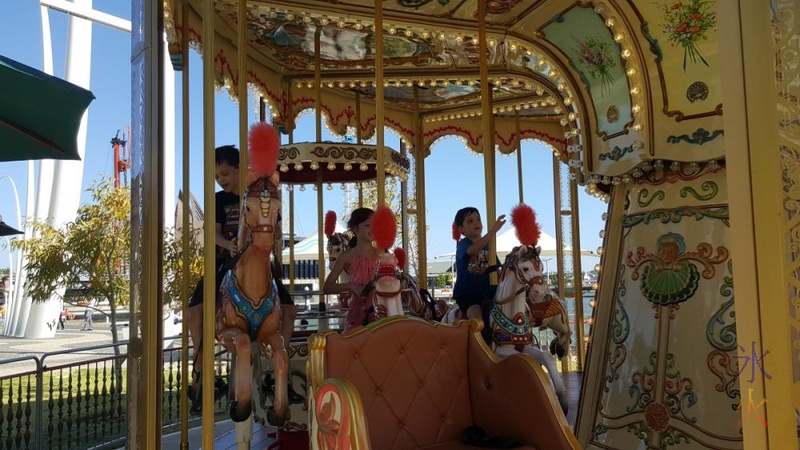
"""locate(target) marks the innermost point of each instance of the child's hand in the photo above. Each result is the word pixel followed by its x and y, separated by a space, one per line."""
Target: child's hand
pixel 499 223
pixel 233 245
pixel 355 288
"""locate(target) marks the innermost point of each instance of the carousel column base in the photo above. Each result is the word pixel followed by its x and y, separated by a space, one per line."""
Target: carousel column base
pixel 244 433
pixel 290 440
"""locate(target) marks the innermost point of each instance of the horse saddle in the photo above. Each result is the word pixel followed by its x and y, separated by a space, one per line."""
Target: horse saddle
pixel 543 309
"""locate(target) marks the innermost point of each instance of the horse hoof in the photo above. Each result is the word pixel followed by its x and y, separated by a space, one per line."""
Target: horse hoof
pixel 276 420
pixel 240 413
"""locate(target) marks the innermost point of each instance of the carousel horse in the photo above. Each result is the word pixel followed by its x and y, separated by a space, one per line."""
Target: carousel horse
pixel 395 291
pixel 509 317
pixel 337 244
pixel 549 312
pixel 248 309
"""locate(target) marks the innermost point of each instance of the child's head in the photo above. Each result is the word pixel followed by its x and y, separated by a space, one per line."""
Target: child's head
pixel 227 170
pixel 359 225
pixel 468 223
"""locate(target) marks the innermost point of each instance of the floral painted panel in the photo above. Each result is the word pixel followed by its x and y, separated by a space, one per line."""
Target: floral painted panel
pixel 583 37
pixel 683 37
pixel 671 370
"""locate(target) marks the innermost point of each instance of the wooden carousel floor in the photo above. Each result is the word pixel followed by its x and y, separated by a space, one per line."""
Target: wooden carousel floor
pixel 262 439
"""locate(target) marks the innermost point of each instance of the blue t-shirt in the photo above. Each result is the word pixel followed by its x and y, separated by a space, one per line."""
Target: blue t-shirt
pixel 472 272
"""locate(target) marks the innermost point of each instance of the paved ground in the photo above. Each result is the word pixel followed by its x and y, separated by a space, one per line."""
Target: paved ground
pixel 70 340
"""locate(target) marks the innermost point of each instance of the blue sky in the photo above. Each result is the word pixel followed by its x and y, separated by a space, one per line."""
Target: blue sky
pixel 20 39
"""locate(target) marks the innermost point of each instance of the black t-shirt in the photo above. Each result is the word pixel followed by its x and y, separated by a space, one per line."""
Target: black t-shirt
pixel 227 215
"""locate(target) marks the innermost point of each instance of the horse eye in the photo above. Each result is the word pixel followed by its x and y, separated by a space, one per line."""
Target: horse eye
pixel 526 269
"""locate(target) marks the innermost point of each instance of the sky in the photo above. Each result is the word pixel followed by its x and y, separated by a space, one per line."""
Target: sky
pixel 454 174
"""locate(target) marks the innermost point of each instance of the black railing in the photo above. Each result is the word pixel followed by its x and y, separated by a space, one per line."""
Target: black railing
pixel 82 403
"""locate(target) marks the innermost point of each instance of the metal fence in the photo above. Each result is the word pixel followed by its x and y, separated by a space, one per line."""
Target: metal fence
pixel 63 401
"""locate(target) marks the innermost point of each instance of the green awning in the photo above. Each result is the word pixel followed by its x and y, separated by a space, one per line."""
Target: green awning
pixel 39 114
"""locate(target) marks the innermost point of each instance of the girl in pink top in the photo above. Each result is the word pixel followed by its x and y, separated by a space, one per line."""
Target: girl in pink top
pixel 360 260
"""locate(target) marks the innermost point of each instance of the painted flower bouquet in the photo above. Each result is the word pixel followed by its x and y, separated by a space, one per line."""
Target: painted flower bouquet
pixel 686 23
pixel 594 54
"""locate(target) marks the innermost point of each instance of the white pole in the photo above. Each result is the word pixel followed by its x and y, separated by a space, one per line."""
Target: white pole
pixel 39 210
pixel 68 175
pixel 9 301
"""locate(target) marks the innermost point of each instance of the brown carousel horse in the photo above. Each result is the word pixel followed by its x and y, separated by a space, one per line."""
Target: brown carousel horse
pixel 337 244
pixel 248 309
pixel 395 291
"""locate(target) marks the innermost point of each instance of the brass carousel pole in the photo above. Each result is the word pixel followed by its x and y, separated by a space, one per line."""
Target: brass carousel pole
pixel 577 275
pixel 378 32
pixel 289 120
pixel 185 227
pixel 358 140
pixel 488 135
pixel 241 92
pixel 519 156
pixel 320 218
pixel 562 292
pixel 404 207
pixel 419 182
pixel 209 236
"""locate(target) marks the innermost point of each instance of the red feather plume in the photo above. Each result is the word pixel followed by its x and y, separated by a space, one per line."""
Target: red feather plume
pixel 400 254
pixel 264 142
pixel 524 220
pixel 330 223
pixel 384 227
pixel 456 233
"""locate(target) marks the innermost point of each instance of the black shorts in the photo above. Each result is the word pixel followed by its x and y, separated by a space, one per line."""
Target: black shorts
pixel 197 296
pixel 466 300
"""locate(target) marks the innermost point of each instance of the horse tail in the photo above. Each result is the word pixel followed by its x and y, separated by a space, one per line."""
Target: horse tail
pixel 430 305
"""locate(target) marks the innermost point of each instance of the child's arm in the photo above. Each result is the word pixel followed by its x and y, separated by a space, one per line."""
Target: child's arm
pixel 332 286
pixel 478 245
pixel 222 241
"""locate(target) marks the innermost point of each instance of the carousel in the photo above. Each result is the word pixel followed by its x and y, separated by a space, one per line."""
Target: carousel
pixel 629 95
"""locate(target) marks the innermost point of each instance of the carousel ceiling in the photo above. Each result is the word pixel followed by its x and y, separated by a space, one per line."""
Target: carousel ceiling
pixel 609 84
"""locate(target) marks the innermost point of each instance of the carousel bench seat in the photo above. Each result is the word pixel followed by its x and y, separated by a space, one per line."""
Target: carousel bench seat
pixel 403 384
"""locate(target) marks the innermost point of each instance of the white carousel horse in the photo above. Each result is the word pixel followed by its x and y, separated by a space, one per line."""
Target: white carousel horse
pixel 337 244
pixel 249 311
pixel 509 317
pixel 394 290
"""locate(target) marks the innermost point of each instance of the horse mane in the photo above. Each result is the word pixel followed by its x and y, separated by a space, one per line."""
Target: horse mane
pixel 263 144
pixel 330 223
pixel 260 185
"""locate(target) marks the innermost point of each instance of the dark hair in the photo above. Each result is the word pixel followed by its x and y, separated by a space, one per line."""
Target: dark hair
pixel 357 217
pixel 228 154
pixel 462 214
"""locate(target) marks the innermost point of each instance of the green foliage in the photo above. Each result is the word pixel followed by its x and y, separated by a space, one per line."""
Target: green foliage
pixel 174 264
pixel 95 247
pixel 444 280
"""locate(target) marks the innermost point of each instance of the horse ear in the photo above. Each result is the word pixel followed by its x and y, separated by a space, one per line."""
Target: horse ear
pixel 275 178
pixel 538 251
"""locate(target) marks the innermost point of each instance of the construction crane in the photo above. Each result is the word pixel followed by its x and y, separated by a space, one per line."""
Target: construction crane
pixel 121 158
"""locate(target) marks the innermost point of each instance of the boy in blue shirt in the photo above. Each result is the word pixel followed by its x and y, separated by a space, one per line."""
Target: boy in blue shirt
pixel 472 261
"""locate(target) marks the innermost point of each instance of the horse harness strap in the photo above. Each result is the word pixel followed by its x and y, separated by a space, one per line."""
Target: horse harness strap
pixel 526 286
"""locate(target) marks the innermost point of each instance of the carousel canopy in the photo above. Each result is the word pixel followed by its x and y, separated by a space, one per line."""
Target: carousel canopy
pixel 337 162
pixel 614 87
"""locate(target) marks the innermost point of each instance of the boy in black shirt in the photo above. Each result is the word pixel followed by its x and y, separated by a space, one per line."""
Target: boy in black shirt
pixel 227 229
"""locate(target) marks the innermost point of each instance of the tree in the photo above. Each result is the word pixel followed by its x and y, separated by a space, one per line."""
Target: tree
pixel 174 261
pixel 95 247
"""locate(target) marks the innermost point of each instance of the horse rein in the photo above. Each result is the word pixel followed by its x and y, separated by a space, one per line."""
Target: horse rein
pixel 526 284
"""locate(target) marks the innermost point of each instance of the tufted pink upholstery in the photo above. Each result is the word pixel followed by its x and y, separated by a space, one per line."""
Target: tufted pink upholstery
pixel 421 384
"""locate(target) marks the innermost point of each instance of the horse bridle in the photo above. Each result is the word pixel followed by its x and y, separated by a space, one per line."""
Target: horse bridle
pixel 265 192
pixel 388 270
pixel 527 285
